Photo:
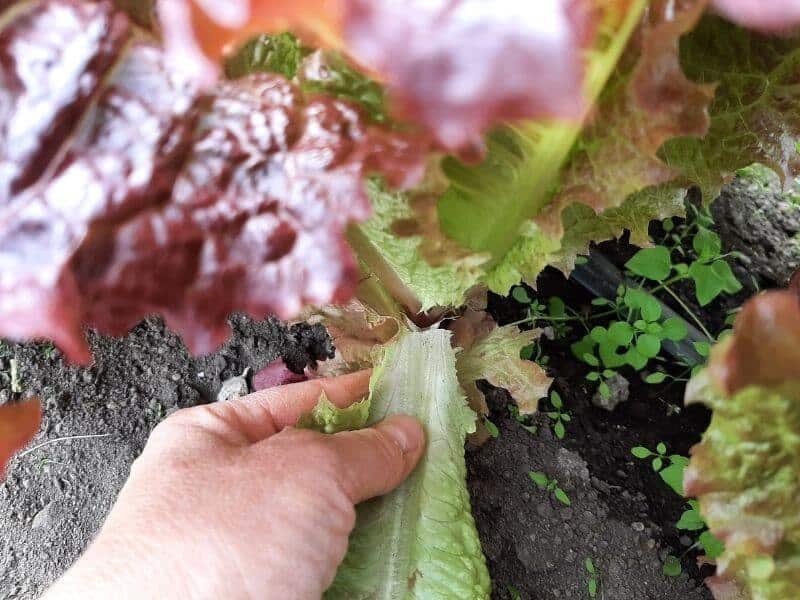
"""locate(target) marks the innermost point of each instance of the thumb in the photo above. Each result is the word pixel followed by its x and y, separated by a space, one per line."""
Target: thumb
pixel 378 459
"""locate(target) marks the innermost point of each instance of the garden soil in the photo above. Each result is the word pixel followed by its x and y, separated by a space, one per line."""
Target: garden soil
pixel 622 516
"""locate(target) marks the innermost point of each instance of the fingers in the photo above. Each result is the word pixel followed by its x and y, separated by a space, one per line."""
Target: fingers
pixel 378 459
pixel 264 413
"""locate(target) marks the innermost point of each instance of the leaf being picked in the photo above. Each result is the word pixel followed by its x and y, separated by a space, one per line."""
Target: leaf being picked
pixel 18 424
pixel 419 541
pixel 495 357
pixel 328 418
pixel 745 471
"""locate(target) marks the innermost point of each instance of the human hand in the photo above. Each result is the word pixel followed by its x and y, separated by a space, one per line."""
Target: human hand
pixel 228 500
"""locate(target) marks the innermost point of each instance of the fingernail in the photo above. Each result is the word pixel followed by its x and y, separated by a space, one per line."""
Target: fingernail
pixel 406 431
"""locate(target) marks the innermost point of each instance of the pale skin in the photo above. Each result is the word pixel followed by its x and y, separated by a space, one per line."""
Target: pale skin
pixel 229 500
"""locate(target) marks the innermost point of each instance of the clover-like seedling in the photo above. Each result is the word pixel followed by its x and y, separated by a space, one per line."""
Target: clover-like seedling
pixel 669 467
pixel 550 485
pixel 559 417
pixel 513 410
pixel 593 584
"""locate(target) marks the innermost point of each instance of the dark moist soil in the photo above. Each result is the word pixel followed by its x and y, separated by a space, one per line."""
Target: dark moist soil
pixel 56 497
pixel 622 515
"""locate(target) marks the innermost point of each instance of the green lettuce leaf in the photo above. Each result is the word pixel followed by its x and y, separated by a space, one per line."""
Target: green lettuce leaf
pixel 487 204
pixel 754 116
pixel 328 418
pixel 281 53
pixel 419 542
pixel 495 357
pixel 440 281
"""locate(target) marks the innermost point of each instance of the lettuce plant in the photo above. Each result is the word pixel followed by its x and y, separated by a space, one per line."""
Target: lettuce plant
pixel 503 137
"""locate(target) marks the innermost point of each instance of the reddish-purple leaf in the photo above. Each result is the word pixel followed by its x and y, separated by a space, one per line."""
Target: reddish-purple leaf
pixel 765 15
pixel 18 424
pixel 456 66
pixel 274 374
pixel 53 59
pixel 461 66
pixel 166 202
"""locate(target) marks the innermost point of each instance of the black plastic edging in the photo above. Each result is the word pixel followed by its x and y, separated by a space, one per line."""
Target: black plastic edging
pixel 602 278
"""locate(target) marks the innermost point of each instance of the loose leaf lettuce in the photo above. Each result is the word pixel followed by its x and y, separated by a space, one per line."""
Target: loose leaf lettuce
pixel 446 63
pixel 326 417
pixel 495 357
pixel 754 117
pixel 165 201
pixel 745 470
pixel 647 101
pixel 775 15
pixel 487 204
pixel 53 59
pixel 419 542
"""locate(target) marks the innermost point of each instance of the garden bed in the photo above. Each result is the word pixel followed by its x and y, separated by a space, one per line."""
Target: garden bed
pixel 622 516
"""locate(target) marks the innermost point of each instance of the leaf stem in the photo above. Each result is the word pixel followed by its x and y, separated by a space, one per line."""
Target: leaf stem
pixel 689 312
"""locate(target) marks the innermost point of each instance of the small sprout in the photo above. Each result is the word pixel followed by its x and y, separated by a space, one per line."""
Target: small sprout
pixel 672 566
pixel 513 592
pixel 558 417
pixel 712 545
pixel 656 378
pixel 652 263
pixel 491 428
pixel 520 294
pixel 669 467
pixel 513 410
pixel 550 485
pixel 594 577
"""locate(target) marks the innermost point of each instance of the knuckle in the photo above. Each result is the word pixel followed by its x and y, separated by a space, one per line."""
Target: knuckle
pixel 391 455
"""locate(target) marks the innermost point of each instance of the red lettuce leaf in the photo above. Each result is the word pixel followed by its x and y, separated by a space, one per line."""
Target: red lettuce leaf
pixel 455 66
pixel 18 424
pixel 275 374
pixel 765 15
pixel 190 206
pixel 53 59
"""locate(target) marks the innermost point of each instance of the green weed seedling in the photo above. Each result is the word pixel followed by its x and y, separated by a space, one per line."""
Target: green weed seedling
pixel 669 467
pixel 635 335
pixel 558 417
pixel 513 592
pixel 672 566
pixel 593 585
pixel 550 485
pixel 632 340
pixel 513 410
pixel 692 521
pixel 491 428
